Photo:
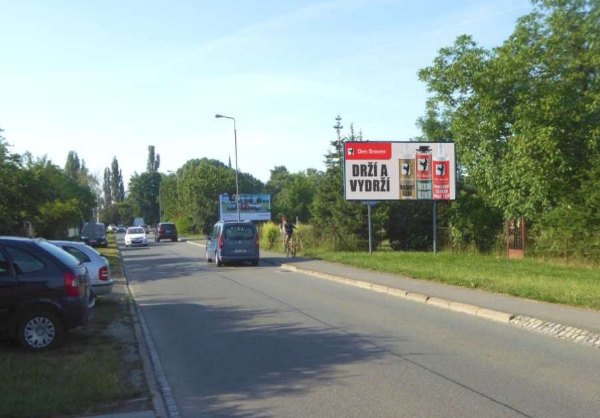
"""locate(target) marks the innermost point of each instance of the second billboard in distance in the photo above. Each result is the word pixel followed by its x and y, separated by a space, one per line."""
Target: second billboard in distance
pixel 253 207
pixel 399 171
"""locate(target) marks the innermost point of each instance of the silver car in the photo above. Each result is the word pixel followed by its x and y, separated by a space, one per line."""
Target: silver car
pixel 98 266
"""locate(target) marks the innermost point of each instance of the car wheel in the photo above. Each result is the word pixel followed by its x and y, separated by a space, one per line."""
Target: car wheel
pixel 40 330
pixel 208 259
pixel 255 263
pixel 157 240
pixel 218 260
pixel 174 240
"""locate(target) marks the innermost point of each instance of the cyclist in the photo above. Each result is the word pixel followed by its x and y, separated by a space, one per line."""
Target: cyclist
pixel 288 227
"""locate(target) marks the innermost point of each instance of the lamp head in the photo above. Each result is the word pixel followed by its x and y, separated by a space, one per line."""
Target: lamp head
pixel 218 116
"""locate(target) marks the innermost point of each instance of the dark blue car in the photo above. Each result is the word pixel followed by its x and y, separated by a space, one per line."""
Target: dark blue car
pixel 44 291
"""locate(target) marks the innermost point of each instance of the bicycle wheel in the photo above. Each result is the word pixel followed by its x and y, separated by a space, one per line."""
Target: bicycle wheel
pixel 294 251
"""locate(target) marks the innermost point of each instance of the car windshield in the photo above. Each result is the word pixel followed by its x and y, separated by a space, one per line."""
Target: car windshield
pixel 167 227
pixel 240 232
pixel 136 231
pixel 92 229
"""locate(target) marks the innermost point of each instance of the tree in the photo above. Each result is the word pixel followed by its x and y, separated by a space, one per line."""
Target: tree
pixel 107 187
pixel 143 195
pixel 73 166
pixel 525 115
pixel 116 186
pixel 153 160
pixel 333 217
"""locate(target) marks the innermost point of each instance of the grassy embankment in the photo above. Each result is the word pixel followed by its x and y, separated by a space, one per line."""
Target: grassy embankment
pixel 91 372
pixel 531 279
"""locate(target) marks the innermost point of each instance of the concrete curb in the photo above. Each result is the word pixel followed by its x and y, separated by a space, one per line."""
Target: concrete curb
pixel 576 335
pixel 155 375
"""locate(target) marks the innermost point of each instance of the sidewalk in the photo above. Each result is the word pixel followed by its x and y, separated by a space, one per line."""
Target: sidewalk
pixel 586 319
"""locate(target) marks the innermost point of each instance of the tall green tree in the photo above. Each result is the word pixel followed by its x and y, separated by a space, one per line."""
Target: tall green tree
pixel 143 195
pixel 107 187
pixel 116 186
pixel 153 160
pixel 525 115
pixel 344 222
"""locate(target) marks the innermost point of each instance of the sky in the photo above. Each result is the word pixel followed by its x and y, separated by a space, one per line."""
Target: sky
pixel 109 78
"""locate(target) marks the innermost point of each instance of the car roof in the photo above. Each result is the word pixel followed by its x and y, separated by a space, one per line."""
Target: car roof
pixel 77 244
pixel 20 239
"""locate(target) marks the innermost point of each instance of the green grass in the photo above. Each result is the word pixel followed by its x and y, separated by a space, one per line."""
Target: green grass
pixel 531 279
pixel 88 374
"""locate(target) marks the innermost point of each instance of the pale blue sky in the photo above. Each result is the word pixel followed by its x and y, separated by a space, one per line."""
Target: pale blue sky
pixel 112 77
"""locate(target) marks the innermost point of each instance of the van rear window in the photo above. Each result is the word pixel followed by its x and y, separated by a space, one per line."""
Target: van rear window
pixel 239 232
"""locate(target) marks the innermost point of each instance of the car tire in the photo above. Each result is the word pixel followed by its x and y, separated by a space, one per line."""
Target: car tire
pixel 174 240
pixel 157 240
pixel 208 259
pixel 218 260
pixel 254 263
pixel 40 330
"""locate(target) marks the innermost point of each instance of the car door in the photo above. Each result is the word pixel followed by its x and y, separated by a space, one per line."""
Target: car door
pixel 8 283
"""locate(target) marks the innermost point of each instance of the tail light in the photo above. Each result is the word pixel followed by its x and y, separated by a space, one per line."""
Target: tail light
pixel 256 242
pixel 161 230
pixel 72 284
pixel 103 273
pixel 221 242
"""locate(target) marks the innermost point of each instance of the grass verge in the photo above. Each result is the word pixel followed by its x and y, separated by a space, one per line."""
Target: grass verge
pixel 93 372
pixel 531 279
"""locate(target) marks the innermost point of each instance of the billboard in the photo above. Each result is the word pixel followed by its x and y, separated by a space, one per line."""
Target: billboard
pixel 399 171
pixel 253 207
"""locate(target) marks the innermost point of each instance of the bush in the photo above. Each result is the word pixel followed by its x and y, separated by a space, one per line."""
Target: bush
pixel 270 234
pixel 184 225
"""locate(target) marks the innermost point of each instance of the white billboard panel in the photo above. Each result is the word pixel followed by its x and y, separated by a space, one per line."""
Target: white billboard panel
pixel 253 207
pixel 399 171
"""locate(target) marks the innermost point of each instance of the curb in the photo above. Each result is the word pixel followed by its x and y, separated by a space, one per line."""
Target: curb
pixel 572 334
pixel 155 375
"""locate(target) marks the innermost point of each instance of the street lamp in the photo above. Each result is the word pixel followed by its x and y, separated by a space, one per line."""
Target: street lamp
pixel 177 178
pixel 237 190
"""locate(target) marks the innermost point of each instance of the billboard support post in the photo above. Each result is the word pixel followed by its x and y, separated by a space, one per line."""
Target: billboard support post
pixel 434 227
pixel 370 231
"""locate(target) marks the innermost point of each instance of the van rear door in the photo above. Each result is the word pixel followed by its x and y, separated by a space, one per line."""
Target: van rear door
pixel 239 240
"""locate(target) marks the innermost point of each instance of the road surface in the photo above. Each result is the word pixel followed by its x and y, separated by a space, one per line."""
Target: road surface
pixel 265 342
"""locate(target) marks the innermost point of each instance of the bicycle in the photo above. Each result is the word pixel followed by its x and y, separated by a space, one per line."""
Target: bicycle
pixel 290 248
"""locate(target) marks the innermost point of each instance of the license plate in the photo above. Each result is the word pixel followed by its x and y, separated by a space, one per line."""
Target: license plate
pixel 240 251
pixel 92 241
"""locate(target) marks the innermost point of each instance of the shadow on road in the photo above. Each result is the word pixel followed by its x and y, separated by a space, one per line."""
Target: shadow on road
pixel 227 355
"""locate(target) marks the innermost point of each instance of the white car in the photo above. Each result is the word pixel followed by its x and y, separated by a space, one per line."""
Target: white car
pixel 136 236
pixel 97 266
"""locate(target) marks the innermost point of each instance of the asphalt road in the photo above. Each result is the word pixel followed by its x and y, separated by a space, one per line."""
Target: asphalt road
pixel 263 342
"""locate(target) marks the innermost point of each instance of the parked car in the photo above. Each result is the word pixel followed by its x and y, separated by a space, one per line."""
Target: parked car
pixel 165 230
pixel 94 234
pixel 97 265
pixel 136 235
pixel 233 242
pixel 121 229
pixel 44 291
pixel 111 228
pixel 146 228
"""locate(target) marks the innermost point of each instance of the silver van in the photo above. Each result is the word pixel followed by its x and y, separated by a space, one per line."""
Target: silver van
pixel 232 242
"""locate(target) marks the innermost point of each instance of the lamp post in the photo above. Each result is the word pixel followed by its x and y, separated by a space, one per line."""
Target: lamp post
pixel 176 178
pixel 237 190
